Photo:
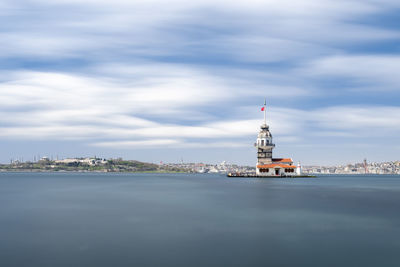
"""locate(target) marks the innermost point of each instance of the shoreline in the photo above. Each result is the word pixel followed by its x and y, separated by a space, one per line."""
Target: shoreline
pixel 85 171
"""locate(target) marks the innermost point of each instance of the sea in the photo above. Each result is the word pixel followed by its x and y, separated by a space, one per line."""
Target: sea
pixel 124 219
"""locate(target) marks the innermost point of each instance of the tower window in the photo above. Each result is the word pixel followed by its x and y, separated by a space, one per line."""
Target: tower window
pixel 262 142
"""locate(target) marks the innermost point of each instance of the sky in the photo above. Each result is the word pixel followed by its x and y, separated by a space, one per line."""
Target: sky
pixel 185 81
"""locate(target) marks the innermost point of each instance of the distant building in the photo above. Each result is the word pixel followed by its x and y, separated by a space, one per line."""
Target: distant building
pixel 87 161
pixel 266 164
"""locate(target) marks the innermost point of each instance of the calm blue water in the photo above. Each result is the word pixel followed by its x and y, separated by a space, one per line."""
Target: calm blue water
pixel 78 219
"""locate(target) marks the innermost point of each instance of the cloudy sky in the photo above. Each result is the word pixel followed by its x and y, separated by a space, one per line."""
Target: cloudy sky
pixel 185 80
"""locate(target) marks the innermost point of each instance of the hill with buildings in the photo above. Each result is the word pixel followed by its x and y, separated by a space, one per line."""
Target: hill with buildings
pixel 89 164
pixel 391 167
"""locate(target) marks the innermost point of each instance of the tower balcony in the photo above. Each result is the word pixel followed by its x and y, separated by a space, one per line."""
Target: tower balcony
pixel 264 146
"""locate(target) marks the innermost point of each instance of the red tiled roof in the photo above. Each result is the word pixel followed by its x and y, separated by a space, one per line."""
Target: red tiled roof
pixel 273 165
pixel 283 160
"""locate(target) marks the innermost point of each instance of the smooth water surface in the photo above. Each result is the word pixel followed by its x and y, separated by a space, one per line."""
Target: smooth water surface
pixel 90 219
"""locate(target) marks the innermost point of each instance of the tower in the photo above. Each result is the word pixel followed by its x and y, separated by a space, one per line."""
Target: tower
pixel 267 166
pixel 298 169
pixel 264 143
pixel 365 165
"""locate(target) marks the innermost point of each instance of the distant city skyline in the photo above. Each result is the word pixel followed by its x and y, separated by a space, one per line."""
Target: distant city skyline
pixel 151 81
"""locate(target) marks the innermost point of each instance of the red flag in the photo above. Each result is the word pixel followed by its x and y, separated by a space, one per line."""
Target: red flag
pixel 263 108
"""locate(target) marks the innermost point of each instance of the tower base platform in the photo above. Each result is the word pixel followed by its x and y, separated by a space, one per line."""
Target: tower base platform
pixel 253 175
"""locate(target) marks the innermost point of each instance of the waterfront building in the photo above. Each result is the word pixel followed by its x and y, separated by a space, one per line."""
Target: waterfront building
pixel 266 164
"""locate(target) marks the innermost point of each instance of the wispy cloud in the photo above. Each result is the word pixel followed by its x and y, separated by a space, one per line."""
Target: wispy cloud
pixel 377 72
pixel 64 107
pixel 255 31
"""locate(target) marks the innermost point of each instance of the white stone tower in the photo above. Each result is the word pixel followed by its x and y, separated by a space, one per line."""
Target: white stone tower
pixel 264 143
pixel 298 169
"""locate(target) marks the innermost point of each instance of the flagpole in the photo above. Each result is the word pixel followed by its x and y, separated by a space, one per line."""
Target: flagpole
pixel 265 111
